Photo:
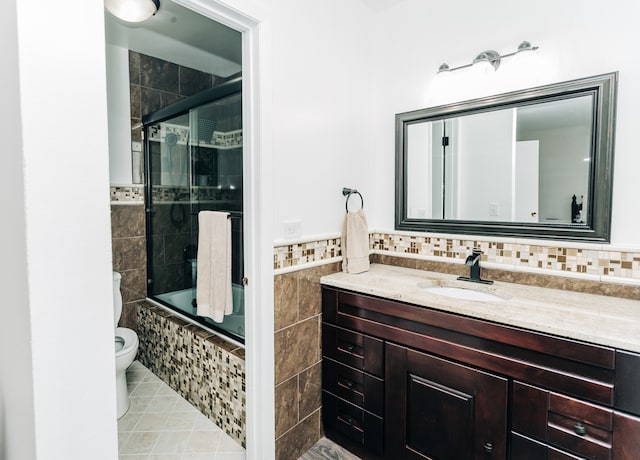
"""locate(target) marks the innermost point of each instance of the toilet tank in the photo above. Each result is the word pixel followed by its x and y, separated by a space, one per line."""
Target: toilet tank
pixel 117 299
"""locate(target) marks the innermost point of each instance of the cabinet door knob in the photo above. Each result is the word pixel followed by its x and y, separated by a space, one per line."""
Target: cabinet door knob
pixel 488 447
pixel 580 429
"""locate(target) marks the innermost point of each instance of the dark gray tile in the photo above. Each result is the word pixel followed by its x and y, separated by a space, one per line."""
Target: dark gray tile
pixel 150 100
pixel 193 81
pixel 134 67
pixel 159 74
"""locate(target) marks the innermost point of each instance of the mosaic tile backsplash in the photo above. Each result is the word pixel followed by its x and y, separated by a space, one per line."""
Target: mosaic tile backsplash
pixel 570 259
pixel 127 194
pixel 206 370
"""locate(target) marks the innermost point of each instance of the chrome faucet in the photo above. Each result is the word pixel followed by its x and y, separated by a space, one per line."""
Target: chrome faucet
pixel 473 261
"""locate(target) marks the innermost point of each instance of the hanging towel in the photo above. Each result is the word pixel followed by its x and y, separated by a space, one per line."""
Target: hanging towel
pixel 355 243
pixel 213 285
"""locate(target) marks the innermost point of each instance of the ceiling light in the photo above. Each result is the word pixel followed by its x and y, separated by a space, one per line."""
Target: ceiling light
pixel 490 59
pixel 132 10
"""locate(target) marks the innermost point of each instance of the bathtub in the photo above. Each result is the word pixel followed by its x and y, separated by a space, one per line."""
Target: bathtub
pixel 182 302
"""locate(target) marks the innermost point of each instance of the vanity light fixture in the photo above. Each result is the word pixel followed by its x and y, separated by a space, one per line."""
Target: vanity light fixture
pixel 132 10
pixel 490 58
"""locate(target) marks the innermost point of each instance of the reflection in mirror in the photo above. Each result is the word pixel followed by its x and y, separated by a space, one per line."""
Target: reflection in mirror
pixel 522 164
pixel 535 163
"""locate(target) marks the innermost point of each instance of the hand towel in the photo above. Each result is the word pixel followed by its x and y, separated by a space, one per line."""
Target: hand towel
pixel 213 285
pixel 355 242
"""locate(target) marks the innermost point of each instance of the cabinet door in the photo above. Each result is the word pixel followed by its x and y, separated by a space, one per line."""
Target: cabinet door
pixel 438 409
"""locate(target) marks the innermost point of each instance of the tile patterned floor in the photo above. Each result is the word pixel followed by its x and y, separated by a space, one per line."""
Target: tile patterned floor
pixel 325 449
pixel 161 425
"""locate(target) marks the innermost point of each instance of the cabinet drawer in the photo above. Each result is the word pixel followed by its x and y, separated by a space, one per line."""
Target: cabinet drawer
pixel 523 448
pixel 355 386
pixel 567 423
pixel 352 422
pixel 353 349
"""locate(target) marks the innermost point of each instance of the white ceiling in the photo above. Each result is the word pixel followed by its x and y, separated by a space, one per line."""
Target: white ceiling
pixel 179 35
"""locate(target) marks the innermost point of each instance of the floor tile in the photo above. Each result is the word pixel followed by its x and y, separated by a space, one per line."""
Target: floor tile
pixel 140 442
pixel 161 425
pixel 203 442
pixel 171 442
pixel 151 422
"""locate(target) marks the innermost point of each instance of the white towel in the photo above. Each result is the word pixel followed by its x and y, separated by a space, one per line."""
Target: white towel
pixel 355 243
pixel 213 285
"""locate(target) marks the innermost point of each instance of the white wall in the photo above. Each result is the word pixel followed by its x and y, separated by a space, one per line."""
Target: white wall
pixel 322 103
pixel 63 218
pixel 563 171
pixel 119 112
pixel 577 38
pixel 17 429
pixel 484 146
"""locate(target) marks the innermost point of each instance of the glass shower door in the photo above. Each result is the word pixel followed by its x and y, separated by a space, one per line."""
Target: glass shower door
pixel 194 163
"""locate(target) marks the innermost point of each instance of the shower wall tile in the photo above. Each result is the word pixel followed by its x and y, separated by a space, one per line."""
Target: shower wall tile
pixel 193 81
pixel 134 68
pixel 129 251
pixel 206 370
pixel 135 96
pixel 133 286
pixel 150 100
pixel 159 74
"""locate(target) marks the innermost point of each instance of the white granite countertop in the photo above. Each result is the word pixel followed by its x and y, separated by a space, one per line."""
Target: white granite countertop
pixel 602 320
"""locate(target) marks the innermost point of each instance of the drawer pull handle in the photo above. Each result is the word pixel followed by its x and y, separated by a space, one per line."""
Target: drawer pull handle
pixel 488 447
pixel 349 383
pixel 580 429
pixel 350 348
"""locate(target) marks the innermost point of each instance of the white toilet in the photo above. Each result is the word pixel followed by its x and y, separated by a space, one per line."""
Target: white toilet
pixel 126 341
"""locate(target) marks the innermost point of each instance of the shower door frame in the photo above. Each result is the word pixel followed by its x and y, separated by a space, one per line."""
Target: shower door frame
pixel 183 107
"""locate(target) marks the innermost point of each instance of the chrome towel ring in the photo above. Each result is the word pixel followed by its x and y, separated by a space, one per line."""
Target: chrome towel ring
pixel 351 191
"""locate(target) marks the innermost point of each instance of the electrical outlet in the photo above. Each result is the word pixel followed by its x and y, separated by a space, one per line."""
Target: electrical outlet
pixel 494 209
pixel 292 229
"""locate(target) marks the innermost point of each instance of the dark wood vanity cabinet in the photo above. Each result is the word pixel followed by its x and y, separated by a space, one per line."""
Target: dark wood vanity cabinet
pixel 441 409
pixel 402 381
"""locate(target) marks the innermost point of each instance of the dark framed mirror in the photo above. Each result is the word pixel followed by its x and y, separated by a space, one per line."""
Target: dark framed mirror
pixel 536 163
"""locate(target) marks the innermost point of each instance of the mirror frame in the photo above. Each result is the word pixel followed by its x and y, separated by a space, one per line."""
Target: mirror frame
pixel 602 87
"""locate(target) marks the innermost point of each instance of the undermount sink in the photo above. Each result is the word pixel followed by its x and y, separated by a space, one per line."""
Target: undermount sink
pixel 462 293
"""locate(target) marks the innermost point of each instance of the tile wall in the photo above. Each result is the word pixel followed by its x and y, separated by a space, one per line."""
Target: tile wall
pixel 129 249
pixel 615 270
pixel 206 370
pixel 298 308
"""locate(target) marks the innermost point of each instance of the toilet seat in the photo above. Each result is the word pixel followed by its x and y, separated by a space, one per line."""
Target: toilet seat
pixel 128 341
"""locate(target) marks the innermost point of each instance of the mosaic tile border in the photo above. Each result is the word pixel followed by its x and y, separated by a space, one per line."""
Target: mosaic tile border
pixel 306 253
pixel 173 194
pixel 127 194
pixel 570 259
pixel 206 370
